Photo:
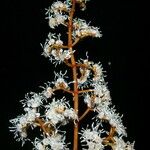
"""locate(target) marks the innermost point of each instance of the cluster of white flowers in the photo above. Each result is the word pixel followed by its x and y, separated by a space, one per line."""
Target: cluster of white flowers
pixel 32 100
pixel 52 49
pixel 90 70
pixel 56 14
pixel 107 113
pixel 21 123
pixel 92 138
pixel 121 145
pixel 59 112
pixel 82 29
pixel 54 142
pixel 100 100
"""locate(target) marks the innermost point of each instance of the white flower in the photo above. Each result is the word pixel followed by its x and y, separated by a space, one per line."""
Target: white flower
pixel 52 22
pixel 19 128
pixel 31 115
pixel 84 75
pixel 60 112
pixel 87 100
pixel 60 55
pixel 101 90
pixel 52 41
pixel 48 92
pixel 60 19
pixel 71 114
pixel 92 137
pixel 38 145
pixel 98 72
pixel 56 142
pixel 82 29
pixel 59 7
pixel 121 145
pixel 54 111
pixel 104 112
pixel 60 81
pixel 32 100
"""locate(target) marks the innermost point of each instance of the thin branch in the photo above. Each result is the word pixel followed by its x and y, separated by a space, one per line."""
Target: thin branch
pixel 85 91
pixel 65 90
pixel 48 129
pixel 76 41
pixel 67 63
pixel 41 124
pixel 109 138
pixel 85 113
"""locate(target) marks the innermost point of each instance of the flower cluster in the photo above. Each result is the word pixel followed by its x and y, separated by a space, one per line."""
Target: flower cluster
pixel 121 145
pixel 47 112
pixel 54 142
pixel 53 48
pixel 55 13
pixel 92 138
pixel 82 29
pixel 60 112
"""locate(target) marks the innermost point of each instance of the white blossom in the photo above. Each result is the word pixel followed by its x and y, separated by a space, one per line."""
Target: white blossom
pixel 59 112
pixel 60 55
pixel 32 100
pixel 101 90
pixel 82 29
pixel 60 81
pixel 121 145
pixel 84 75
pixel 92 138
pixel 19 128
pixel 53 142
pixel 105 112
pixel 59 7
pixel 56 15
pixel 48 92
pixel 71 114
pixel 98 72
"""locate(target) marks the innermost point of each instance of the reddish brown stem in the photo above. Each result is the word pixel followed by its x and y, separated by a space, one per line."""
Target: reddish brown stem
pixel 74 71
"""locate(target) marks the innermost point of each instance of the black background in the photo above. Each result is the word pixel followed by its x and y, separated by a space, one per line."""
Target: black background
pixel 124 44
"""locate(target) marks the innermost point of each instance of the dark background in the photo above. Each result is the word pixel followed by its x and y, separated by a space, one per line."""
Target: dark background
pixel 124 44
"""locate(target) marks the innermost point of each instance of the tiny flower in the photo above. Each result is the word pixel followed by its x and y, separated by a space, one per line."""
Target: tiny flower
pixel 71 114
pixel 82 29
pixel 101 90
pixel 98 72
pixel 48 92
pixel 38 144
pixel 59 7
pixel 121 145
pixel 105 112
pixel 31 115
pixel 19 128
pixel 32 100
pixel 84 75
pixel 52 22
pixel 60 81
pixel 92 137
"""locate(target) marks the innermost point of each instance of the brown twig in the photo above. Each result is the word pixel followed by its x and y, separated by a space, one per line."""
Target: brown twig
pixel 85 113
pixel 85 91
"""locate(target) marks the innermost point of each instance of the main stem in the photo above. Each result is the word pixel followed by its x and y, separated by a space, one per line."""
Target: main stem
pixel 74 71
